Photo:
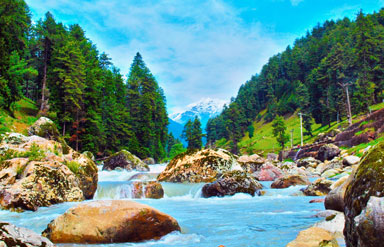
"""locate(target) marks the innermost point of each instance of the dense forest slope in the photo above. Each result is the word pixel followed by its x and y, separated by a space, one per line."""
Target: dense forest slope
pixel 58 69
pixel 309 78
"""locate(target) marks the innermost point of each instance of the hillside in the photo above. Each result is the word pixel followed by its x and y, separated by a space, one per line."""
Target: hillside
pixel 263 140
pixel 25 111
pixel 312 77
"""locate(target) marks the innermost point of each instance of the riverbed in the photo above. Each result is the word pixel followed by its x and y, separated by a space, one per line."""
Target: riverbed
pixel 273 219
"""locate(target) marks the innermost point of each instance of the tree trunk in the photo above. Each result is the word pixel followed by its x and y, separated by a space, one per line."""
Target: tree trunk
pixel 42 106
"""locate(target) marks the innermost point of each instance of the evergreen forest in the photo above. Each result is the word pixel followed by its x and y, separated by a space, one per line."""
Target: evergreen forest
pixel 313 76
pixel 60 69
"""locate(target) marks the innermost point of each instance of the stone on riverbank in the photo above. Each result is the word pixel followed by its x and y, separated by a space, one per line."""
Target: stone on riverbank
pixel 267 172
pixel 112 221
pixel 320 187
pixel 368 181
pixel 11 235
pixel 35 172
pixel 314 237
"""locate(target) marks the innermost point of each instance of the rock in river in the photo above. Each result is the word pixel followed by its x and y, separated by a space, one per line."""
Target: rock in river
pixel 320 187
pixel 314 237
pixel 11 235
pixel 231 183
pixel 111 221
pixel 125 160
pixel 289 180
pixel 199 166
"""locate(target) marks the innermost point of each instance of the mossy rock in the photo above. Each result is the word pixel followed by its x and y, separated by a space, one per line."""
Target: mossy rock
pixel 367 181
pixel 230 183
pixel 124 159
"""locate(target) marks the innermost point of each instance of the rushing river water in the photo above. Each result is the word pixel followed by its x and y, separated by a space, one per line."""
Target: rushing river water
pixel 241 220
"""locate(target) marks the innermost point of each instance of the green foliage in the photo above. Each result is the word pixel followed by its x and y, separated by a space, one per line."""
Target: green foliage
pixel 73 166
pixel 192 133
pixel 34 153
pixel 279 131
pixel 176 149
pixel 309 76
pixel 250 129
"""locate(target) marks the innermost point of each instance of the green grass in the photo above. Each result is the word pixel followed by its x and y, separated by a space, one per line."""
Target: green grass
pixel 24 112
pixel 357 150
pixel 263 140
pixel 73 166
pixel 34 153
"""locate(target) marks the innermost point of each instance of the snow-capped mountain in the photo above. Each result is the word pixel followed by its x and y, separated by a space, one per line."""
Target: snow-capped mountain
pixel 203 109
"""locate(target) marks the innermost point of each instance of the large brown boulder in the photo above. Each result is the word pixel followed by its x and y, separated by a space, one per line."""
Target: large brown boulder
pixel 231 183
pixel 314 237
pixel 124 160
pixel 320 187
pixel 289 180
pixel 328 152
pixel 112 221
pixel 368 181
pixel 35 172
pixel 11 235
pixel 199 166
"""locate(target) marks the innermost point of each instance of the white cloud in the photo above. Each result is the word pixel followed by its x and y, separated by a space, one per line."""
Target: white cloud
pixel 195 49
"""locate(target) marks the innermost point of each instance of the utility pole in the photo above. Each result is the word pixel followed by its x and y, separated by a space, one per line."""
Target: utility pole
pixel 291 138
pixel 345 86
pixel 301 127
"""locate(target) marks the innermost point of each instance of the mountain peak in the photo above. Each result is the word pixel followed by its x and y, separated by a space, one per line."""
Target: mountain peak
pixel 204 109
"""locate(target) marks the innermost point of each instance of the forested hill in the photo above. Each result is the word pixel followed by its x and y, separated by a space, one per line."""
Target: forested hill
pixel 309 75
pixel 61 70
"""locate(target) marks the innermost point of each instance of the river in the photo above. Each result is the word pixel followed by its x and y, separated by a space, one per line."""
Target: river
pixel 240 220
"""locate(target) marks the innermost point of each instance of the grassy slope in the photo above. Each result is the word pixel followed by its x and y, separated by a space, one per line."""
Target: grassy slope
pixel 263 140
pixel 25 112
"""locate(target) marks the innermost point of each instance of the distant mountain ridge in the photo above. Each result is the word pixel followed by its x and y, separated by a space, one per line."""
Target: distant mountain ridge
pixel 204 109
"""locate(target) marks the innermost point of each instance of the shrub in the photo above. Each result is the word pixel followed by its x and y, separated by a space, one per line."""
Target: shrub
pixel 34 153
pixel 73 166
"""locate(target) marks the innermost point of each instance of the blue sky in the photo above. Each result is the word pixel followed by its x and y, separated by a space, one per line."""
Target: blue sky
pixel 197 49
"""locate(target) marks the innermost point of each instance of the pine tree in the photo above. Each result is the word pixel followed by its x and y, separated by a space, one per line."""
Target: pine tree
pixel 279 131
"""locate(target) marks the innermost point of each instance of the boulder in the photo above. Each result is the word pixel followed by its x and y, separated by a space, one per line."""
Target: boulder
pixel 320 187
pixel 328 152
pixel 252 162
pixel 314 237
pixel 351 160
pixel 331 173
pixel 37 173
pixel 11 235
pixel 289 180
pixel 335 198
pixel 329 165
pixel 149 161
pixel 111 221
pixel 272 157
pixel 199 166
pixel 370 223
pixel 89 155
pixel 267 172
pixel 308 162
pixel 334 223
pixel 151 189
pixel 145 176
pixel 46 128
pixel 124 160
pixel 367 181
pixel 231 183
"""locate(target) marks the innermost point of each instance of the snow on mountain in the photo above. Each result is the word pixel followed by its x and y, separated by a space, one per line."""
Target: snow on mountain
pixel 203 109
